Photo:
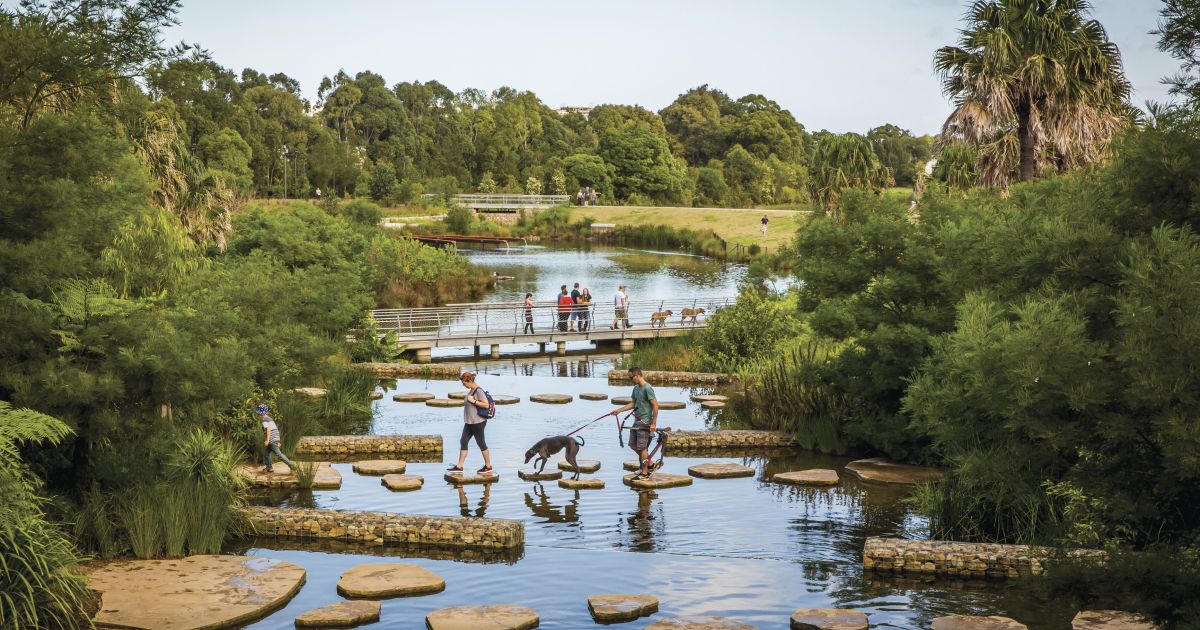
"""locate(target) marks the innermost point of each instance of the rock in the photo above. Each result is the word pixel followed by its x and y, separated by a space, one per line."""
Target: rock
pixel 631 464
pixel 882 470
pixel 192 592
pixel 669 405
pixel 659 480
pixel 413 397
pixel 376 395
pixel 315 392
pixel 505 399
pixel 459 479
pixel 494 617
pixel 583 483
pixel 810 477
pixel 701 398
pixel 712 405
pixel 720 471
pixel 588 466
pixel 1111 620
pixel 593 396
pixel 971 622
pixel 457 395
pixel 402 483
pixel 327 477
pixel 620 400
pixel 340 615
pixel 699 622
pixel 552 399
pixel 443 402
pixel 380 467
pixel 545 475
pixel 621 607
pixel 398 579
pixel 829 619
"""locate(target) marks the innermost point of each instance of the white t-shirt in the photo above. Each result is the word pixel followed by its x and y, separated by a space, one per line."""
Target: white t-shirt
pixel 619 299
pixel 272 430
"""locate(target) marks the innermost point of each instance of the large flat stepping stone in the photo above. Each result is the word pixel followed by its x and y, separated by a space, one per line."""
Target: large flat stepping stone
pixel 376 395
pixel 658 480
pixel 505 399
pixel 621 400
pixel 882 470
pixel 972 622
pixel 315 392
pixel 621 607
pixel 413 397
pixel 327 477
pixel 593 396
pixel 459 479
pixel 380 467
pixel 402 483
pixel 395 579
pixel 631 464
pixel 340 615
pixel 493 617
pixel 545 475
pixel 712 405
pixel 829 619
pixel 700 622
pixel 193 592
pixel 552 399
pixel 443 402
pixel 810 477
pixel 701 398
pixel 457 395
pixel 720 471
pixel 1111 620
pixel 583 483
pixel 588 466
pixel 669 405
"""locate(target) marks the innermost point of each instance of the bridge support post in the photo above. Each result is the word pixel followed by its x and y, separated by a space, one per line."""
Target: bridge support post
pixel 423 355
pixel 495 351
pixel 627 345
pixel 561 349
pixel 542 347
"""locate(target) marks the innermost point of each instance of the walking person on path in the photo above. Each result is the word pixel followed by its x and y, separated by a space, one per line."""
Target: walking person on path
pixel 575 309
pixel 764 225
pixel 645 415
pixel 579 198
pixel 474 423
pixel 528 314
pixel 594 196
pixel 565 305
pixel 271 439
pixel 585 307
pixel 620 308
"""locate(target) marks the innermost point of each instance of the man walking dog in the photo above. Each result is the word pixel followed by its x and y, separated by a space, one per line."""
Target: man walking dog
pixel 645 413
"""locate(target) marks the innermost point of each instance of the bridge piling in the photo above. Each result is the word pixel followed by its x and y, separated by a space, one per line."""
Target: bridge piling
pixel 561 349
pixel 495 351
pixel 627 344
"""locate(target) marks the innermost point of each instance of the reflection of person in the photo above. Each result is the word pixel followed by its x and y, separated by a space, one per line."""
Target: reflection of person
pixel 464 505
pixel 642 523
pixel 528 313
pixel 645 414
pixel 473 424
pixel 271 438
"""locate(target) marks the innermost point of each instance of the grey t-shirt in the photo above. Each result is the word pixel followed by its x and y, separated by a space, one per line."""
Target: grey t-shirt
pixel 272 431
pixel 470 411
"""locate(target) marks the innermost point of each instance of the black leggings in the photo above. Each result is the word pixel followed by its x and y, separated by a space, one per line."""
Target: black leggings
pixel 476 431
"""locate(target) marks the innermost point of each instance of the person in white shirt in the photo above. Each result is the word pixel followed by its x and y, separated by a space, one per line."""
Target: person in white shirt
pixel 620 308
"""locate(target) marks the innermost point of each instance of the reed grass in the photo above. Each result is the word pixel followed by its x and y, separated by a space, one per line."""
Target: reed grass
pixel 142 521
pixel 346 406
pixel 173 510
pixel 306 474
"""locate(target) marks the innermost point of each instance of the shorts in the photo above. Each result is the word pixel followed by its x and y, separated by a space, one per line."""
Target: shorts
pixel 621 314
pixel 639 439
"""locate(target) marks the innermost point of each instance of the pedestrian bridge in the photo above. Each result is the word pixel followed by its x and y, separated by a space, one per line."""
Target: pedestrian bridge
pixel 494 324
pixel 509 203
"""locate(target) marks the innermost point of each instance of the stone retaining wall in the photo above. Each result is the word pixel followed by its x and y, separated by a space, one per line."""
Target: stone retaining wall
pixel 621 377
pixel 342 445
pixel 710 440
pixel 959 559
pixel 386 528
pixel 408 370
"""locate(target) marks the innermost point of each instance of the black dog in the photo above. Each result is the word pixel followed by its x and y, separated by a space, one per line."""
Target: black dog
pixel 551 445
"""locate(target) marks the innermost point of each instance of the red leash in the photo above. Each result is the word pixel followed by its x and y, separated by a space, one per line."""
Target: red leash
pixel 620 425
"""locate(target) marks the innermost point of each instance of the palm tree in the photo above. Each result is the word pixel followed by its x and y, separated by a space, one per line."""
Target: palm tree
pixel 1035 83
pixel 845 161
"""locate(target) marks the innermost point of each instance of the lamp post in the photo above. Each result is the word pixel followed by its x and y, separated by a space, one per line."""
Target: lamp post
pixel 284 154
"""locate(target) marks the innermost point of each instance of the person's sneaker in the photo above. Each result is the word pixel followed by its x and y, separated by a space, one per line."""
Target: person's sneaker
pixel 484 470
pixel 454 469
pixel 269 471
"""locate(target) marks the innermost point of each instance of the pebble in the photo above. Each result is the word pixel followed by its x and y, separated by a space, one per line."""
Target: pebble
pixel 552 399
pixel 622 607
pixel 413 397
pixel 583 483
pixel 401 483
pixel 493 617
pixel 720 471
pixel 397 579
pixel 810 477
pixel 340 615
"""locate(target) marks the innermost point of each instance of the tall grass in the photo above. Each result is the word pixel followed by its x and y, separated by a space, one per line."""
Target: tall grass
pixel 674 354
pixel 296 415
pixel 202 469
pixel 142 520
pixel 346 406
pixel 173 513
pixel 306 474
pixel 96 526
pixel 788 392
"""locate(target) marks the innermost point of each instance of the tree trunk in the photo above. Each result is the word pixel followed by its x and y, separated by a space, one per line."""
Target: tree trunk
pixel 1025 136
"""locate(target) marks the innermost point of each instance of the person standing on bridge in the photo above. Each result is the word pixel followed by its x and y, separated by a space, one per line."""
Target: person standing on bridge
pixel 585 306
pixel 473 424
pixel 620 308
pixel 575 309
pixel 565 305
pixel 528 314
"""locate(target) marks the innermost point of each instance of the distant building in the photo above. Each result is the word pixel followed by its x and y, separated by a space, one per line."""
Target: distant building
pixel 574 109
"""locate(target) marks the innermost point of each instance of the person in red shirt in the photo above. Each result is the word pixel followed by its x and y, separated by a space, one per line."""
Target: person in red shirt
pixel 565 306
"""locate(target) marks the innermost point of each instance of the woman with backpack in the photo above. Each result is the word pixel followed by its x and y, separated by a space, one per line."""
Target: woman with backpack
pixel 477 408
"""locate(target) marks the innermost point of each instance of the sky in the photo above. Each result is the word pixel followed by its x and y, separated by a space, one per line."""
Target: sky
pixel 841 65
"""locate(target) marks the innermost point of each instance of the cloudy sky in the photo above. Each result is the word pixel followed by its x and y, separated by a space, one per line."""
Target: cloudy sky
pixel 842 65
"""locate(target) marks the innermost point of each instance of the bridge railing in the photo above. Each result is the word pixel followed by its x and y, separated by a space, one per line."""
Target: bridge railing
pixel 469 321
pixel 514 201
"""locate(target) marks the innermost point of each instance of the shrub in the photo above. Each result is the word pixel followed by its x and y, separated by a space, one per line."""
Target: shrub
pixel 459 219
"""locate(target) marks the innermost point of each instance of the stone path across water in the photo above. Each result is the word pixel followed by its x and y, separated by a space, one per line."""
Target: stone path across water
pixel 413 397
pixel 593 396
pixel 829 619
pixel 326 478
pixel 402 483
pixel 552 399
pixel 340 615
pixel 380 467
pixel 493 617
pixel 659 480
pixel 398 579
pixel 972 622
pixel 545 475
pixel 588 466
pixel 623 607
pixel 810 477
pixel 443 402
pixel 583 483
pixel 1110 620
pixel 699 622
pixel 669 405
pixel 469 477
pixel 720 471
pixel 881 470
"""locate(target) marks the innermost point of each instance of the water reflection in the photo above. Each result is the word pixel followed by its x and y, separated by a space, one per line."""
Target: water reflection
pixel 464 504
pixel 645 526
pixel 539 503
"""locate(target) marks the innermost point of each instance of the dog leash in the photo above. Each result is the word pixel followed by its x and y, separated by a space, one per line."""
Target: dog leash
pixel 620 425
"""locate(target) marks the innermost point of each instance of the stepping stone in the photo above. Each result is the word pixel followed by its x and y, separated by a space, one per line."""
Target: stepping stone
pixel 631 464
pixel 882 470
pixel 810 477
pixel 459 479
pixel 699 622
pixel 315 392
pixel 380 467
pixel 545 475
pixel 443 402
pixel 829 619
pixel 397 579
pixel 583 483
pixel 327 477
pixel 493 617
pixel 622 607
pixel 340 615
pixel 593 396
pixel 213 591
pixel 551 399
pixel 669 405
pixel 457 395
pixel 1111 620
pixel 505 399
pixel 659 480
pixel 701 398
pixel 376 395
pixel 720 471
pixel 971 622
pixel 413 397
pixel 712 405
pixel 588 466
pixel 620 400
pixel 402 483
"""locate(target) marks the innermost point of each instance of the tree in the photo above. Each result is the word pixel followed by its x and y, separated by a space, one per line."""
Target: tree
pixel 695 124
pixel 1179 35
pixel 642 163
pixel 900 151
pixel 842 162
pixel 227 156
pixel 1035 83
pixel 956 166
pixel 383 182
pixel 585 169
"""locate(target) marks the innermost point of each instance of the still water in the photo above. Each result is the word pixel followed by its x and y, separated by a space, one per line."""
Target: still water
pixel 745 548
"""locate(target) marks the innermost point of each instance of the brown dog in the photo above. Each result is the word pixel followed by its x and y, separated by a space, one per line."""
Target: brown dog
pixel 659 318
pixel 693 313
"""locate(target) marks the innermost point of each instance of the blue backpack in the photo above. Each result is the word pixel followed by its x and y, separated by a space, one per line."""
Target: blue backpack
pixel 490 412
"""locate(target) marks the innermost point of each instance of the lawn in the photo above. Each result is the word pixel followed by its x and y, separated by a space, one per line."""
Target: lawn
pixel 731 224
